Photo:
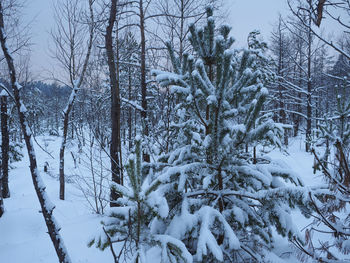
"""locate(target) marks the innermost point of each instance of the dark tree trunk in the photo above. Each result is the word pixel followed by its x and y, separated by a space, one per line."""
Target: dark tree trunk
pixel 4 148
pixel 130 113
pixel 297 119
pixel 72 118
pixel 62 149
pixel 115 107
pixel 46 206
pixel 282 113
pixel 146 156
pixel 2 209
pixel 309 89
pixel 182 25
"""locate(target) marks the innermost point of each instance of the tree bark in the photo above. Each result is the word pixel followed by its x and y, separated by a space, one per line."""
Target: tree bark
pixel 115 106
pixel 319 14
pixel 2 209
pixel 129 111
pixel 280 67
pixel 4 148
pixel 300 80
pixel 309 88
pixel 46 206
pixel 146 156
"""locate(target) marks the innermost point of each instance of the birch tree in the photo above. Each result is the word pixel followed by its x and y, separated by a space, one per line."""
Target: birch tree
pixel 69 39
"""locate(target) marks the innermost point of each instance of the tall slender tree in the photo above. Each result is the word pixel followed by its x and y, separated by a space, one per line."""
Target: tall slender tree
pixel 4 145
pixel 68 36
pixel 309 76
pixel 303 82
pixel 142 26
pixel 113 68
pixel 280 93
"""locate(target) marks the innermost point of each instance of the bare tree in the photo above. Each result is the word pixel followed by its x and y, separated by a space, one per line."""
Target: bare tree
pixel 304 80
pixel 142 7
pixel 69 39
pixel 280 92
pixel 318 10
pixel 92 181
pixel 46 206
pixel 176 16
pixel 115 148
pixel 309 83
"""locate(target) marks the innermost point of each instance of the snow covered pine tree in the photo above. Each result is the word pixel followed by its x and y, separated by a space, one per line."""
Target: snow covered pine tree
pixel 208 199
pixel 224 204
pixel 128 223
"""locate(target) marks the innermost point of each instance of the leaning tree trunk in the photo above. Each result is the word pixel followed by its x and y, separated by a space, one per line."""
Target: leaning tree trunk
pixel 46 206
pixel 4 148
pixel 77 83
pixel 115 104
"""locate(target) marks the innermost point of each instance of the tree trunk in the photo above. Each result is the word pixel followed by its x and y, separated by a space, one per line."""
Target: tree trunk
pixel 63 147
pixel 2 209
pixel 4 148
pixel 182 25
pixel 115 106
pixel 46 206
pixel 309 89
pixel 297 119
pixel 146 156
pixel 280 67
pixel 130 113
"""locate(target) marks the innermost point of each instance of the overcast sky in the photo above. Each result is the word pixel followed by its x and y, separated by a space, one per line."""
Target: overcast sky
pixel 248 15
pixel 244 16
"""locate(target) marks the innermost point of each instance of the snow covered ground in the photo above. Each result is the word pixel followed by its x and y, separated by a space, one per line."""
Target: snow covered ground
pixel 23 236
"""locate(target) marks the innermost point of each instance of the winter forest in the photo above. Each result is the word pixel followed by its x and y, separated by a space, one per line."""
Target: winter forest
pixel 160 138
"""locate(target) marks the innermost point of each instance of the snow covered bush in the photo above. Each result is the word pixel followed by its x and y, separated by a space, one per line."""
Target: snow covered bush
pixel 130 224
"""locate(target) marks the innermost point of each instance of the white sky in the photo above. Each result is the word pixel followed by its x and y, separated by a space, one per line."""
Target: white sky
pixel 244 16
pixel 248 15
pixel 40 15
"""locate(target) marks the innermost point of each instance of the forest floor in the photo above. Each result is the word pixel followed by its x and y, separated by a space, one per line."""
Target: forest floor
pixel 23 236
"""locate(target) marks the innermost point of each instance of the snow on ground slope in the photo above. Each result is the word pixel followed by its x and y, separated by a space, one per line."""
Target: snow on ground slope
pixel 23 236
pixel 299 161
